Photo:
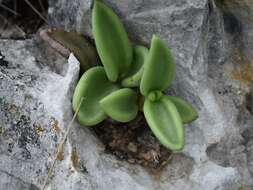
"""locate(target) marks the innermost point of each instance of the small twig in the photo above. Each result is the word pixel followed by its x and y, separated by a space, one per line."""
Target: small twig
pixel 5 19
pixel 36 11
pixel 60 146
pixel 15 8
pixel 42 6
pixel 9 9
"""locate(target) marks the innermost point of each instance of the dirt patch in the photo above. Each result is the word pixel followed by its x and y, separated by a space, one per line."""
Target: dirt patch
pixel 243 73
pixel 55 125
pixel 133 142
pixel 75 158
pixel 60 155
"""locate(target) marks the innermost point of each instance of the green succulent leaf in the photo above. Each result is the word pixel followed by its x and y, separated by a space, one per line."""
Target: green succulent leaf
pixel 159 68
pixel 111 40
pixel 134 75
pixel 165 122
pixel 186 110
pixel 121 105
pixel 93 86
pixel 81 47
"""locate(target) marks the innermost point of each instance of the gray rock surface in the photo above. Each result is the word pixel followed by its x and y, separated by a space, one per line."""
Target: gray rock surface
pixel 32 121
pixel 208 39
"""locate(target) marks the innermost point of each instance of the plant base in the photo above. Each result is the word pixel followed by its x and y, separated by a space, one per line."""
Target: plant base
pixel 133 142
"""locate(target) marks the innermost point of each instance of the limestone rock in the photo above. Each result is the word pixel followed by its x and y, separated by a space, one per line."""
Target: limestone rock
pixel 209 46
pixel 209 39
pixel 34 110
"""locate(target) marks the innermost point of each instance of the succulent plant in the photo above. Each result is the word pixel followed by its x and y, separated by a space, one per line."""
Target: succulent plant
pixel 131 74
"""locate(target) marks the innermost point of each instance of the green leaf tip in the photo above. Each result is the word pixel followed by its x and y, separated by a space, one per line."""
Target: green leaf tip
pixel 187 111
pixel 155 95
pixel 159 68
pixel 121 105
pixel 134 75
pixel 165 122
pixel 113 45
pixel 93 86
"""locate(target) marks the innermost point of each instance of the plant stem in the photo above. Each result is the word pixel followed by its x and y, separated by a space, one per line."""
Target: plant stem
pixel 60 146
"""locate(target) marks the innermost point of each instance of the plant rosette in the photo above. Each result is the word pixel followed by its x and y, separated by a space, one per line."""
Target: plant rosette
pixel 112 90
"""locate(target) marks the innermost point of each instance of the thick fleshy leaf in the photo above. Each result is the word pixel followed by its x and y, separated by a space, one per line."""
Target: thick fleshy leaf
pixel 93 86
pixel 165 122
pixel 111 40
pixel 134 75
pixel 159 68
pixel 186 111
pixel 121 105
pixel 74 42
